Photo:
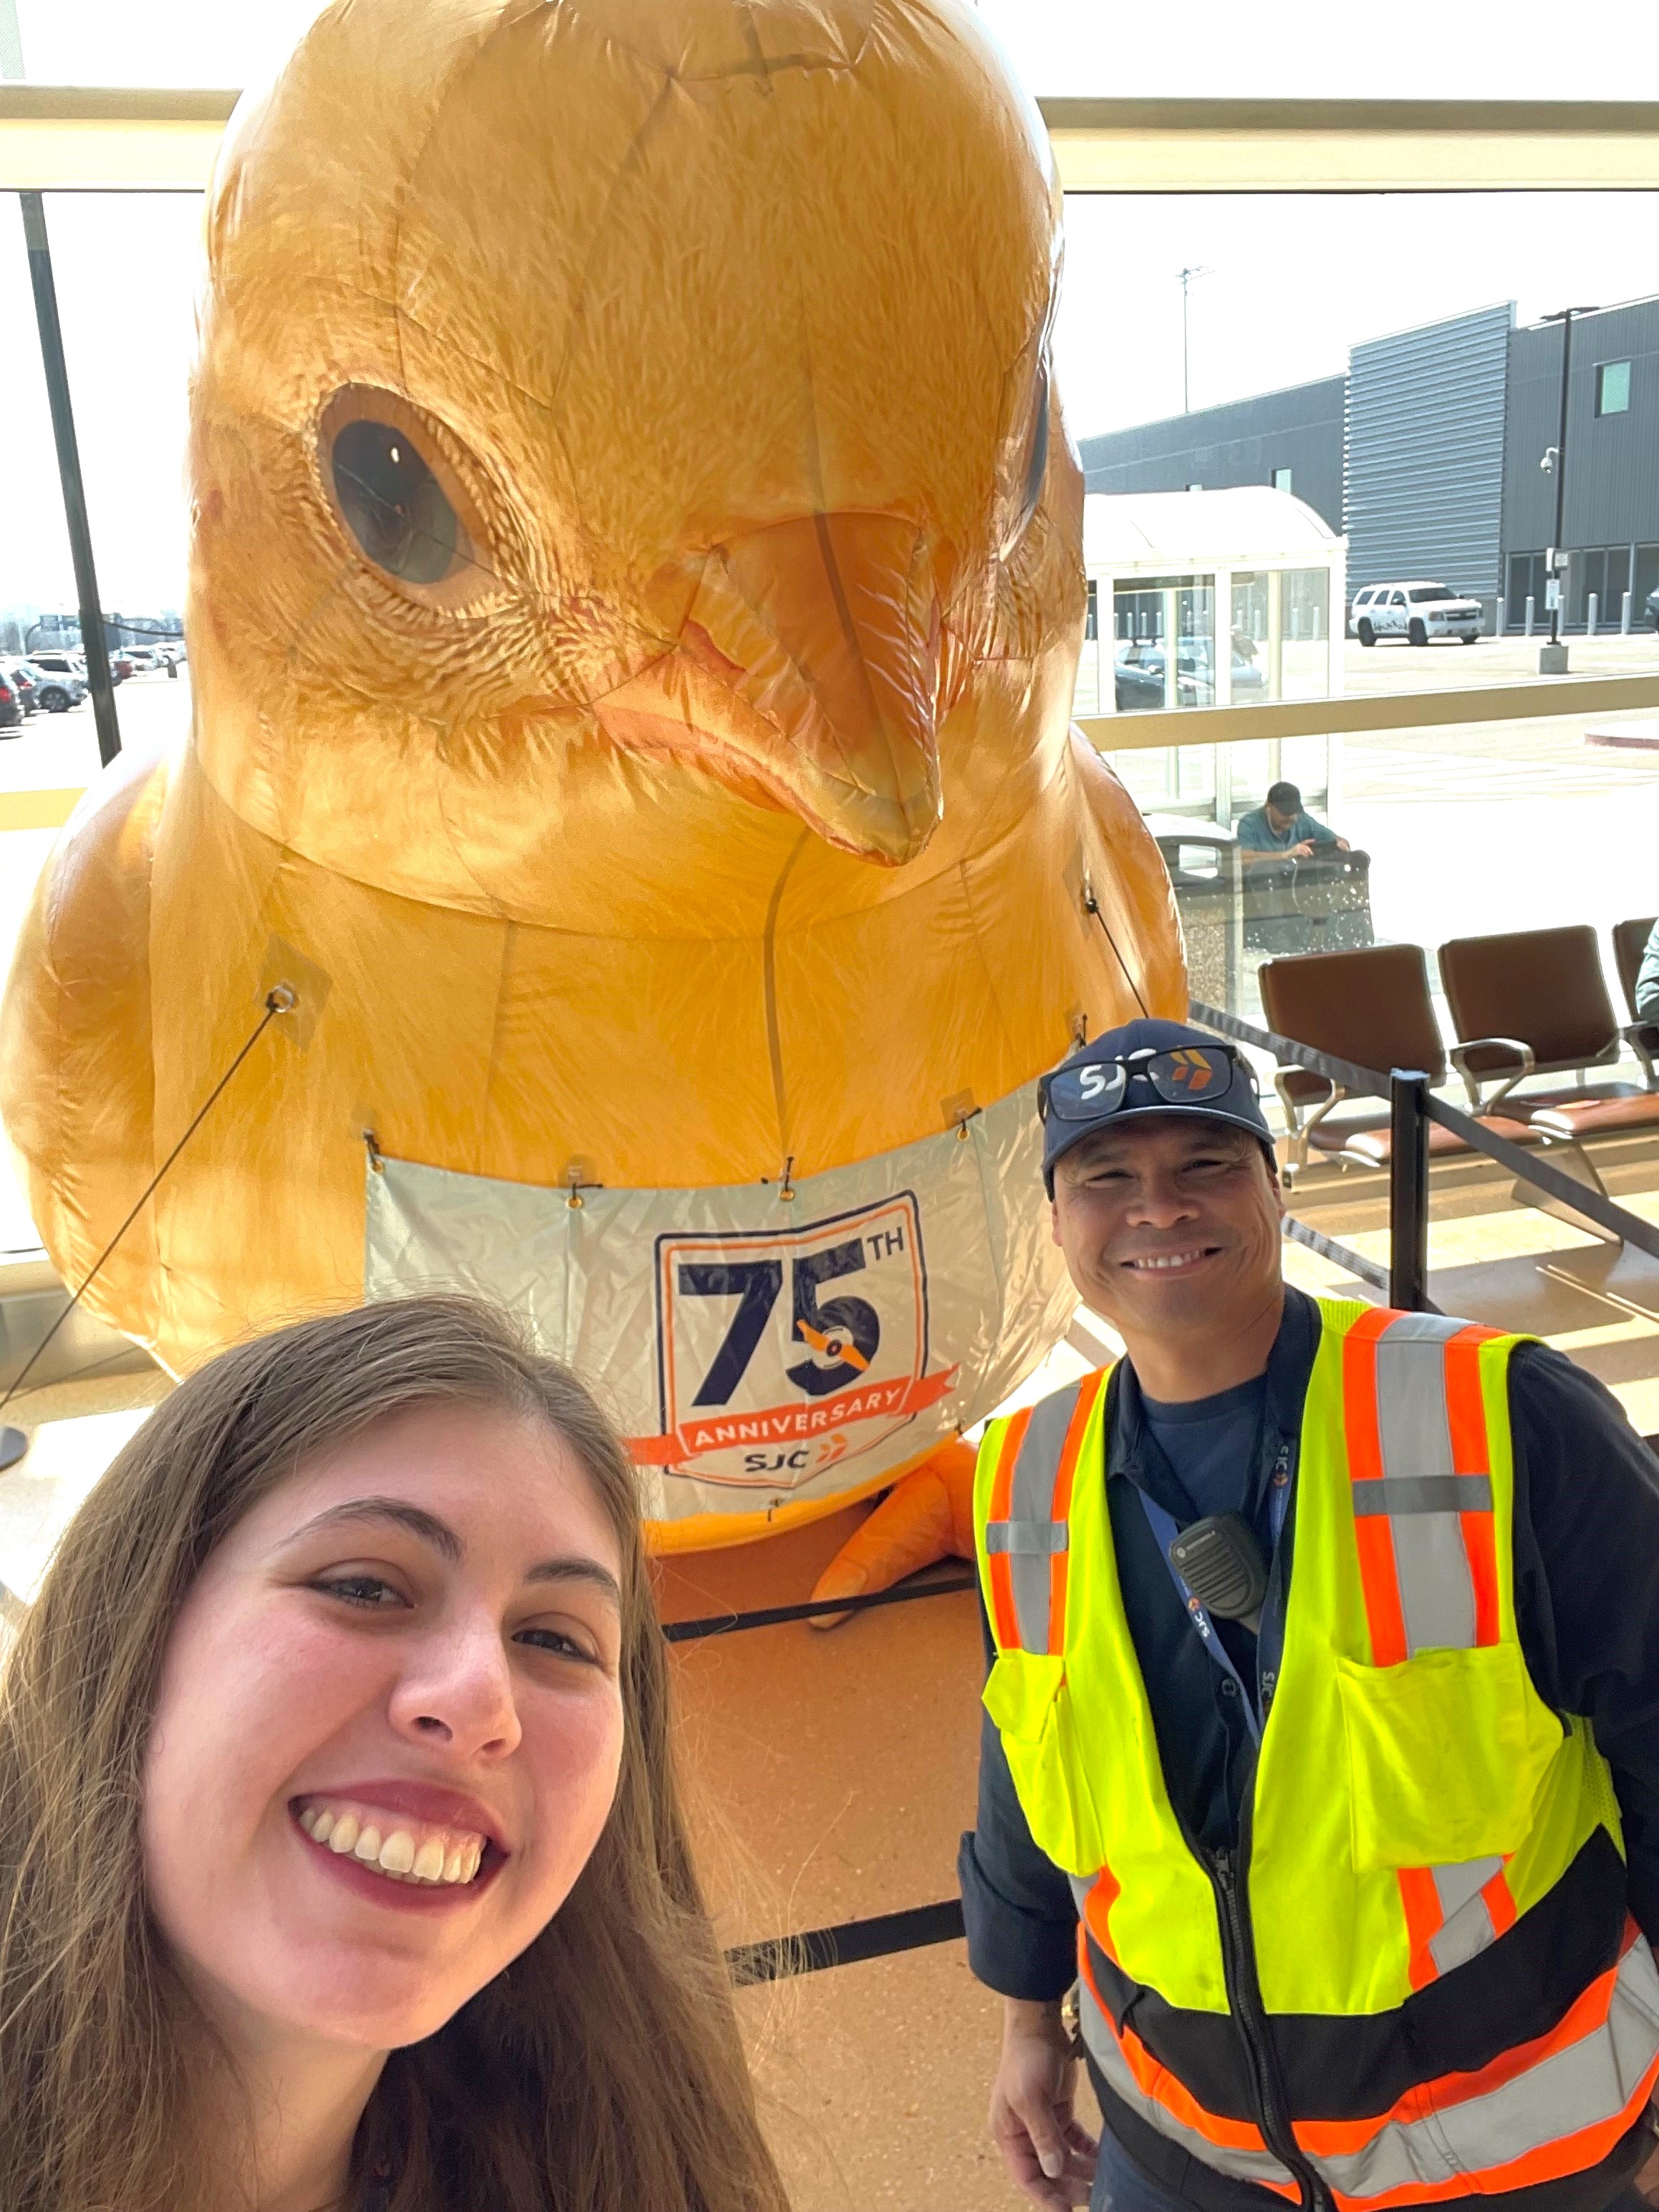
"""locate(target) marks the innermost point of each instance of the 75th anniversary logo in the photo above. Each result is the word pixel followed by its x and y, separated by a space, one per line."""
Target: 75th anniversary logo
pixel 782 1351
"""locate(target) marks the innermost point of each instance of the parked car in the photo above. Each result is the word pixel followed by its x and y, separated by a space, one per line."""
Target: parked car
pixel 143 657
pixel 1653 608
pixel 1419 612
pixel 57 689
pixel 60 664
pixel 20 677
pixel 10 712
pixel 1139 676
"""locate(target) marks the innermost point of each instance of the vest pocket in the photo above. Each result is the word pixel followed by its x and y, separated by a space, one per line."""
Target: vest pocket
pixel 1027 1696
pixel 1446 1755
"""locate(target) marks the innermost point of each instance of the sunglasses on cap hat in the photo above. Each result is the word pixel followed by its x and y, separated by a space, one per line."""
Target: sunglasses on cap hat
pixel 1182 1075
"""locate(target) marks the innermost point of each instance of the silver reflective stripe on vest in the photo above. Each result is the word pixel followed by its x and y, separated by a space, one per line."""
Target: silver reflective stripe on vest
pixel 1257 2165
pixel 1030 1535
pixel 1437 1594
pixel 1020 1540
pixel 1425 1493
pixel 1424 1499
pixel 1467 1928
pixel 1589 2083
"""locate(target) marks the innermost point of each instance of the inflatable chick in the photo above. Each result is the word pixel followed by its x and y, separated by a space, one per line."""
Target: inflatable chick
pixel 635 597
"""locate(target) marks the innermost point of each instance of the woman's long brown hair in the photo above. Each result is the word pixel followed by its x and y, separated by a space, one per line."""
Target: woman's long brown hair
pixel 601 2072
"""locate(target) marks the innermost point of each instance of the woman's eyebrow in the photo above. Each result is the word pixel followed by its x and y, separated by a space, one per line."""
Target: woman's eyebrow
pixel 419 1523
pixel 578 1568
pixel 575 1567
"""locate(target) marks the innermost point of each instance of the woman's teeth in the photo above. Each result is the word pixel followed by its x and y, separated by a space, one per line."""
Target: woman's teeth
pixel 432 1856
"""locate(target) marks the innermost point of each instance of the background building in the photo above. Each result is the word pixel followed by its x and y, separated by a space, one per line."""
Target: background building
pixel 1425 457
pixel 1290 440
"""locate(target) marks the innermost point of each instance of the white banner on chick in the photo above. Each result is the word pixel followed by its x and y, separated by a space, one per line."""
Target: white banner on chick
pixel 757 1349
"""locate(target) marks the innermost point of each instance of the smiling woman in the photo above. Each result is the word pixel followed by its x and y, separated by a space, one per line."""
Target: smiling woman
pixel 341 1859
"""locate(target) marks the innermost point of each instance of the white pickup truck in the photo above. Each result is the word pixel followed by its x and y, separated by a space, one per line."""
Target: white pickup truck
pixel 1419 612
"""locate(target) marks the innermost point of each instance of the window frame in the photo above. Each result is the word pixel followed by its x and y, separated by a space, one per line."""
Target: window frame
pixel 1603 410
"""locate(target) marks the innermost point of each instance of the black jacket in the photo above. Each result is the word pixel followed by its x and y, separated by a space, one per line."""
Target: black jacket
pixel 1587 1601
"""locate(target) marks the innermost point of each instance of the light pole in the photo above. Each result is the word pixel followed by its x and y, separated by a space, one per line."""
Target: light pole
pixel 1553 658
pixel 1188 277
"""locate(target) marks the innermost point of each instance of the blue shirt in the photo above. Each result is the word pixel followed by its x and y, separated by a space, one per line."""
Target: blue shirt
pixel 1647 979
pixel 1210 1443
pixel 1257 835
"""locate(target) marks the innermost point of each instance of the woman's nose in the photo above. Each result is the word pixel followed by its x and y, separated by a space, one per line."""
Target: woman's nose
pixel 458 1691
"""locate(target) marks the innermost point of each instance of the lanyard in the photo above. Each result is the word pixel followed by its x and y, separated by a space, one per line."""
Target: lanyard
pixel 1165 1531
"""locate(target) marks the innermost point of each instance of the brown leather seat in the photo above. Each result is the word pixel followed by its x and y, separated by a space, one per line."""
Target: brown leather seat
pixel 1541 990
pixel 1371 1007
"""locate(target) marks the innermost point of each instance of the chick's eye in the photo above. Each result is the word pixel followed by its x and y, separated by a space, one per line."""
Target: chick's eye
pixel 394 506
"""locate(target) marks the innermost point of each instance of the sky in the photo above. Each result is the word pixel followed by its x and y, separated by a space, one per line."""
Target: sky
pixel 1295 281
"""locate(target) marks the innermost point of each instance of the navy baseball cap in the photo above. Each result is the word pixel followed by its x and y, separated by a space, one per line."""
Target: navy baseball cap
pixel 1146 1066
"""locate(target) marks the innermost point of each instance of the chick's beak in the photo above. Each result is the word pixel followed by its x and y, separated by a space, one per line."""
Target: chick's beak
pixel 807 675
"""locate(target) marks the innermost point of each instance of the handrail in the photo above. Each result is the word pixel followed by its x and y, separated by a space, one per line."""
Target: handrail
pixel 1539 699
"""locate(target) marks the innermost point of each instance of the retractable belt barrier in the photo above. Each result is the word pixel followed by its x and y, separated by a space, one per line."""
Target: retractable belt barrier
pixel 1370 1082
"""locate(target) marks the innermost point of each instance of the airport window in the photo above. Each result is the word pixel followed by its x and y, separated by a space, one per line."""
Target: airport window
pixel 1281 479
pixel 1527 579
pixel 1613 387
pixel 1602 575
pixel 1145 614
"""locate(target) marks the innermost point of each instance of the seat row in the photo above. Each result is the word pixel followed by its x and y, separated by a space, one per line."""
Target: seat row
pixel 1524 1004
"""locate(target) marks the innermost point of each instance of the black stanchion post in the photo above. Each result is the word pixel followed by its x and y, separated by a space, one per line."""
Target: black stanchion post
pixel 69 470
pixel 1408 1190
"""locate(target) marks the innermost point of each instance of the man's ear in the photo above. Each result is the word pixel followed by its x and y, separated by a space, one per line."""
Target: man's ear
pixel 1053 1220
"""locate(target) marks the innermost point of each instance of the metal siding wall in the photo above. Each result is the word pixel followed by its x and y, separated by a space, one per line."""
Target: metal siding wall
pixel 1300 429
pixel 1533 419
pixel 1425 453
pixel 1612 462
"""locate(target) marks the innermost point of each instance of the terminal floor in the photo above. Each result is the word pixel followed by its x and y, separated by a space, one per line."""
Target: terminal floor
pixel 832 1775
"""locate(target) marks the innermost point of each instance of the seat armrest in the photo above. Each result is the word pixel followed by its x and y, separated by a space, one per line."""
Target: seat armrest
pixel 1480 1058
pixel 1643 1038
pixel 1293 1096
pixel 1297 1094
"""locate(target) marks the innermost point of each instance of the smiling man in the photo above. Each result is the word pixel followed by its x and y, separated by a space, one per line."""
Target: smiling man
pixel 1322 1737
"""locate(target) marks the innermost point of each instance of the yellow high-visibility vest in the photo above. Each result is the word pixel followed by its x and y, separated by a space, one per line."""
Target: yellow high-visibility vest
pixel 1415 1802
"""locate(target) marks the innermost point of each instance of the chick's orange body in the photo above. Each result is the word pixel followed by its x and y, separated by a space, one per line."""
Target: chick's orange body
pixel 635 594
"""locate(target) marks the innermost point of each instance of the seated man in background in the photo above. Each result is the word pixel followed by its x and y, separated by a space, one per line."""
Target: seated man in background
pixel 1306 890
pixel 1281 831
pixel 1647 979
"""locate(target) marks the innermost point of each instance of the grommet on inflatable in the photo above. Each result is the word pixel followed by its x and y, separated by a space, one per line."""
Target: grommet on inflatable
pixel 636 592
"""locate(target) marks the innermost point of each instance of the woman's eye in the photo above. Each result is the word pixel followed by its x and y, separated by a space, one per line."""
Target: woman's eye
pixel 365 1590
pixel 556 1641
pixel 393 504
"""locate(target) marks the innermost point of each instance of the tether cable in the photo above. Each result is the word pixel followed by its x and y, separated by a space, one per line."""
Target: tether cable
pixel 846 1944
pixel 280 999
pixel 1091 905
pixel 773 1616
